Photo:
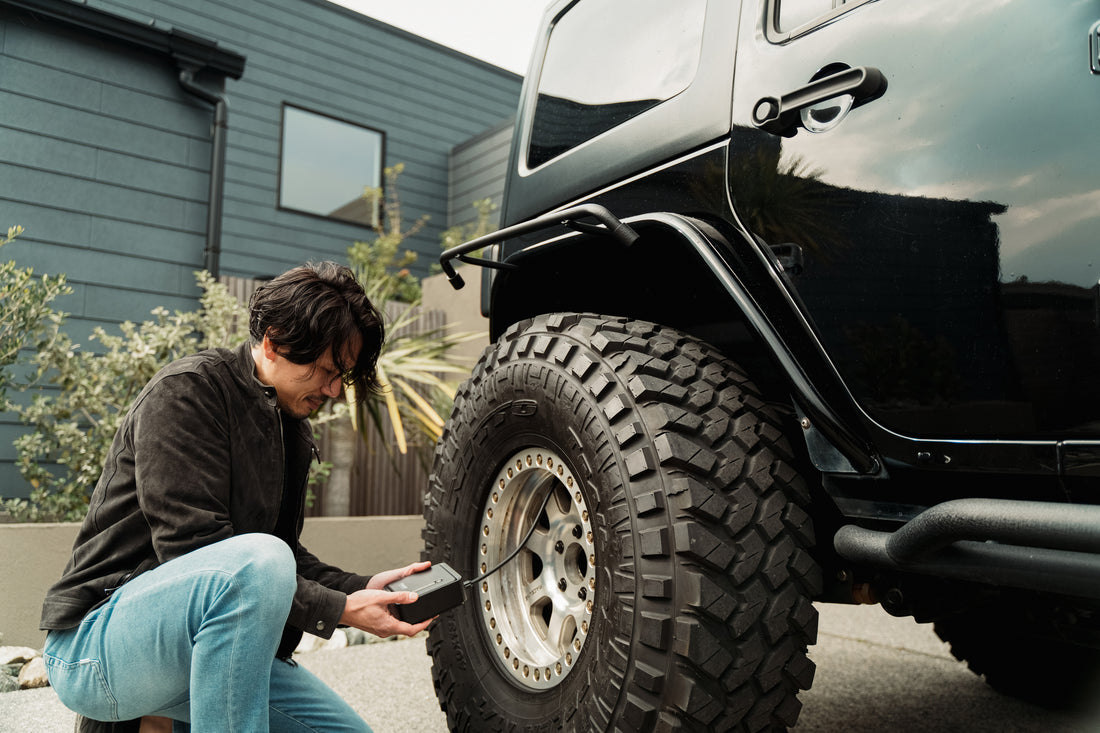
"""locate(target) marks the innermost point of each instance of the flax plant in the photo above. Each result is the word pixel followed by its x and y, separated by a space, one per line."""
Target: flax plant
pixel 417 369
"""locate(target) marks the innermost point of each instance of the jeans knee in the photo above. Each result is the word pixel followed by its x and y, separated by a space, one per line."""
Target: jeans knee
pixel 266 562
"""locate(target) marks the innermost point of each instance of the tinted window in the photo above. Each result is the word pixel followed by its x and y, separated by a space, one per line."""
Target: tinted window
pixel 608 61
pixel 790 15
pixel 326 164
pixel 793 13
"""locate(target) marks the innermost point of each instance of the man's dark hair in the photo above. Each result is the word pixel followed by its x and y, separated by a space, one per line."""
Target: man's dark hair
pixel 315 307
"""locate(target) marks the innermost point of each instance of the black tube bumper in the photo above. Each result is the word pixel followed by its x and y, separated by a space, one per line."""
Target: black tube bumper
pixel 1047 547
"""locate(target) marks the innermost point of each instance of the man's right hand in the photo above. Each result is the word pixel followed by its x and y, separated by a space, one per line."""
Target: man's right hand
pixel 369 610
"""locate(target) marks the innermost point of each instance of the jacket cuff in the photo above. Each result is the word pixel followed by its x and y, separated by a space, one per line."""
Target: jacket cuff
pixel 326 613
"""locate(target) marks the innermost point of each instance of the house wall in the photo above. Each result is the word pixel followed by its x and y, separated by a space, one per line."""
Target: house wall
pixel 105 160
pixel 477 171
pixel 426 99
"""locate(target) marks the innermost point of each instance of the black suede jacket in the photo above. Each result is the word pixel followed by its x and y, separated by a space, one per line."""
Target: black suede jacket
pixel 197 459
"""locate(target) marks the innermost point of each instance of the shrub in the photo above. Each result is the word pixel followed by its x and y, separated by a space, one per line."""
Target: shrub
pixel 82 396
pixel 381 260
pixel 416 368
pixel 25 313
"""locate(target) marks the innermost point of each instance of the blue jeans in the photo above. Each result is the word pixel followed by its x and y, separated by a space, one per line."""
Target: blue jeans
pixel 194 640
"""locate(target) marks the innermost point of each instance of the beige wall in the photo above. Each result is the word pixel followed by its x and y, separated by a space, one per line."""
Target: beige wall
pixel 33 556
pixel 463 308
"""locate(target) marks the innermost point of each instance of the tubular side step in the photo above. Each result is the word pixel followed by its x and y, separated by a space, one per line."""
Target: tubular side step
pixel 1034 545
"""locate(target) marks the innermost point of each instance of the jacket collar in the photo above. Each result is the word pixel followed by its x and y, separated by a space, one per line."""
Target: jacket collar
pixel 245 366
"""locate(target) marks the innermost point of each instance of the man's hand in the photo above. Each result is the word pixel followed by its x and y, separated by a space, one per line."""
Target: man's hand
pixel 369 609
pixel 381 580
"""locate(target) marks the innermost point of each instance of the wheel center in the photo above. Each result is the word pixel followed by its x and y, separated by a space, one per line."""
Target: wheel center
pixel 537 608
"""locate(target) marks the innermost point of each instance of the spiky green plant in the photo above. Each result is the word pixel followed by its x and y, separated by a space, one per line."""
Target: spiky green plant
pixel 418 373
pixel 417 368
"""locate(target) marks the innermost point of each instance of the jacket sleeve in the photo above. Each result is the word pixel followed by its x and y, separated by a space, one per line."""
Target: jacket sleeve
pixel 322 593
pixel 322 588
pixel 182 457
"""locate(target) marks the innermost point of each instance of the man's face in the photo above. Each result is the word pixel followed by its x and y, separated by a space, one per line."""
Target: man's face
pixel 302 388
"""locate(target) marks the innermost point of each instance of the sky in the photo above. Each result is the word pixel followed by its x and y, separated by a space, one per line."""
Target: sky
pixel 501 32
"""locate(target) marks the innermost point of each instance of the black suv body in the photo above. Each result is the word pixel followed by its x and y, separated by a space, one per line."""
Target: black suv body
pixel 793 303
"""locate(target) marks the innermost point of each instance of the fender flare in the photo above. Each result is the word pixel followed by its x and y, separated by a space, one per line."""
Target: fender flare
pixel 834 446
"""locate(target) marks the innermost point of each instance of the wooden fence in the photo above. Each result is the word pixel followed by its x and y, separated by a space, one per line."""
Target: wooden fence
pixel 369 477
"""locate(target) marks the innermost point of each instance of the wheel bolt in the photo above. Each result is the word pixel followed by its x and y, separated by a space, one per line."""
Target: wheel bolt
pixel 582 594
pixel 562 585
pixel 559 547
pixel 577 531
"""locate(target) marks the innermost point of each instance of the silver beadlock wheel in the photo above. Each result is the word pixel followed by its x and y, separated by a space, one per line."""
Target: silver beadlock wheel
pixel 537 609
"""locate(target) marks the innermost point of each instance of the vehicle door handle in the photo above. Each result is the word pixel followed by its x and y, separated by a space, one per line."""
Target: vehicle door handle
pixel 1094 48
pixel 783 115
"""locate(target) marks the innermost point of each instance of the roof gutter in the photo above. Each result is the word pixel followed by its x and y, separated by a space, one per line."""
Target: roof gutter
pixel 145 35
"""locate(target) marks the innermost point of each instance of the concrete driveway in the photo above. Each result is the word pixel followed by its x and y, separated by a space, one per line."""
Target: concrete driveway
pixel 879 673
pixel 874 673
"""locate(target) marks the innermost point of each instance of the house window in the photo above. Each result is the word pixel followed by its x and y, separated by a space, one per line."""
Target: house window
pixel 326 164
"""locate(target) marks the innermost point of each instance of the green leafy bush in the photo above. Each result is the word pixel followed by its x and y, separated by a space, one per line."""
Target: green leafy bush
pixel 481 226
pixel 380 261
pixel 81 396
pixel 25 313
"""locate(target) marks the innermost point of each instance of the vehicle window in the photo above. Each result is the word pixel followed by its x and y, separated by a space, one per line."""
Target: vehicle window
pixel 793 13
pixel 588 85
pixel 789 16
pixel 326 164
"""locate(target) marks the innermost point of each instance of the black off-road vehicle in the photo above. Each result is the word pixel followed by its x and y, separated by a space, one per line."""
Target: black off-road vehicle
pixel 796 301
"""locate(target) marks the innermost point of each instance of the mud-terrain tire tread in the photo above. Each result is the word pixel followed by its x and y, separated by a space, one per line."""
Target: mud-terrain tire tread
pixel 702 493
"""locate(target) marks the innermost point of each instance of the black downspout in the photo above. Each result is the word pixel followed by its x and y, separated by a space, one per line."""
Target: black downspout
pixel 217 166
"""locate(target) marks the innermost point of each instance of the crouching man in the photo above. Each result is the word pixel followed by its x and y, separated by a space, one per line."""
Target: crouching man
pixel 187 589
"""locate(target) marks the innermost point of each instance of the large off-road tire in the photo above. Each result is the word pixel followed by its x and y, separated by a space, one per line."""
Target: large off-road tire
pixel 1021 655
pixel 667 584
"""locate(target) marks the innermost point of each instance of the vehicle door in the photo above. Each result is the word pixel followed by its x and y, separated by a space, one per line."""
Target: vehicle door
pixel 949 217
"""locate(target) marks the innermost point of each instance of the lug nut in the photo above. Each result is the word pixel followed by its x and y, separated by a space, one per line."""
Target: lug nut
pixel 562 585
pixel 559 547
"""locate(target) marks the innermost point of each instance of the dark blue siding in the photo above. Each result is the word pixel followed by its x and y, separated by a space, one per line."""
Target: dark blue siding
pixel 425 98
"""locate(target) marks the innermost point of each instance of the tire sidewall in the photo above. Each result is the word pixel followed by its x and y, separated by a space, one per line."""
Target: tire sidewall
pixel 518 422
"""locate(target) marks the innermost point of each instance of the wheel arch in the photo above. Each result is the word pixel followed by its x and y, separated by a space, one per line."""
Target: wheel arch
pixel 685 273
